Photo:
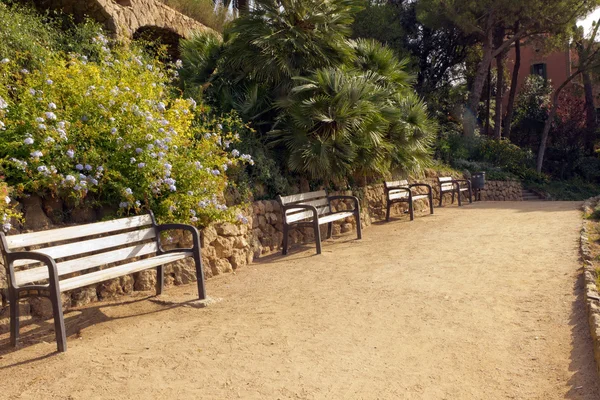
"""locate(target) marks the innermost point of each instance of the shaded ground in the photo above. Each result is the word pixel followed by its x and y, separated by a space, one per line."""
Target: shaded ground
pixel 481 302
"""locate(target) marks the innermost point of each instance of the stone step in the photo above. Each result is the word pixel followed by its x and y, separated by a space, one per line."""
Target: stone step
pixel 528 195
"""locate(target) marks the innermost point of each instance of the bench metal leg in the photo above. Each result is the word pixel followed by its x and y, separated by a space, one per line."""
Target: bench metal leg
pixel 387 213
pixel 329 230
pixel 458 195
pixel 14 317
pixel 286 229
pixel 430 203
pixel 59 320
pixel 317 236
pixel 160 279
pixel 470 195
pixel 199 273
pixel 411 210
pixel 358 225
pixel 441 197
pixel 453 198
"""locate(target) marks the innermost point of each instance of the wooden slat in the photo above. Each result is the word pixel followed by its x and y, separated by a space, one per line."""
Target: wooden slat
pixel 334 217
pixel 74 232
pixel 447 186
pixel 300 197
pixel 87 246
pixel 67 267
pixel 444 178
pixel 420 196
pixel 316 203
pixel 392 184
pixel 115 272
pixel 398 195
pixel 292 216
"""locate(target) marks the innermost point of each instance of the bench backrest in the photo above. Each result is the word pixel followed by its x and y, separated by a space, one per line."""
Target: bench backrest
pixel 396 184
pixel 446 183
pixel 86 246
pixel 317 199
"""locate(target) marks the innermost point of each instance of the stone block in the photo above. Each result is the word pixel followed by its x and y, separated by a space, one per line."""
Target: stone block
pixel 238 259
pixel 227 229
pixel 223 246
pixel 145 280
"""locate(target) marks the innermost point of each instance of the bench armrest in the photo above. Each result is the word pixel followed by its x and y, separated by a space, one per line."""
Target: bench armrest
pixel 181 227
pixel 306 207
pixel 353 198
pixel 13 256
pixel 420 184
pixel 428 186
pixel 458 181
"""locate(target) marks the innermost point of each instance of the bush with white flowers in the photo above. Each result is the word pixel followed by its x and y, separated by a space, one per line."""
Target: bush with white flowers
pixel 113 133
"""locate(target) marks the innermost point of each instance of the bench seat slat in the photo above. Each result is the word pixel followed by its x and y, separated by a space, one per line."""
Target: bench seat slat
pixel 420 196
pixel 87 246
pixel 398 195
pixel 80 264
pixel 334 217
pixel 393 184
pixel 125 269
pixel 74 232
pixel 304 214
pixel 301 197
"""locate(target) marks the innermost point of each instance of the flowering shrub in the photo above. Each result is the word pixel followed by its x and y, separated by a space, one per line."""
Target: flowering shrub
pixel 111 132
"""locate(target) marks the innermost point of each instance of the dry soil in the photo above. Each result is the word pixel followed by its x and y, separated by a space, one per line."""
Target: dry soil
pixel 478 302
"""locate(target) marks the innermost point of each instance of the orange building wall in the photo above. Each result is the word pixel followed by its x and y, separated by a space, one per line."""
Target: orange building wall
pixel 558 66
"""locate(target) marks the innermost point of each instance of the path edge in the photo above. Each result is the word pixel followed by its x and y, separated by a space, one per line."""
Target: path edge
pixel 592 296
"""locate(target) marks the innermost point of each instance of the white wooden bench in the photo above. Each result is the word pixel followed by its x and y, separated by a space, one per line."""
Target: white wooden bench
pixel 455 187
pixel 314 209
pixel 68 258
pixel 402 192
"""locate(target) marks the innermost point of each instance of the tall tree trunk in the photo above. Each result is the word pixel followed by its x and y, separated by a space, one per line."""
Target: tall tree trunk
pixel 470 117
pixel 242 5
pixel 488 97
pixel 500 60
pixel 550 119
pixel 510 106
pixel 545 132
pixel 424 63
pixel 591 123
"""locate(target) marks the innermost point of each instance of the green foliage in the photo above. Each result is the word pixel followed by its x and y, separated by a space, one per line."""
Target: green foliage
pixel 213 14
pixel 382 21
pixel 500 159
pixel 362 120
pixel 492 172
pixel 110 132
pixel 263 50
pixel 571 190
pixel 30 39
pixel 531 110
pixel 338 109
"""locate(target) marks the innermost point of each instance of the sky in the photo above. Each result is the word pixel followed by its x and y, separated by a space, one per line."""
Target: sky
pixel 587 22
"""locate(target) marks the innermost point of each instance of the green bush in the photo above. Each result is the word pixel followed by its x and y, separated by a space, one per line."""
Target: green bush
pixel 29 38
pixel 571 190
pixel 333 110
pixel 499 158
pixel 110 132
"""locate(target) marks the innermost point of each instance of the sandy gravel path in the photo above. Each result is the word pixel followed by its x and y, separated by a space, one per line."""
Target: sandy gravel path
pixel 481 302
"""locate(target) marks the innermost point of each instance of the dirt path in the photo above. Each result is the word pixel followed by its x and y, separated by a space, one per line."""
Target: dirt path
pixel 482 302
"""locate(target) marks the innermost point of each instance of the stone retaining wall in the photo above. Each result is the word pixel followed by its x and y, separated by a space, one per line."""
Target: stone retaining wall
pixel 592 296
pixel 225 246
pixel 502 191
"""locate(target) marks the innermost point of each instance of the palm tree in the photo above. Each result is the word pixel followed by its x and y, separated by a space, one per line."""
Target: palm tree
pixel 362 119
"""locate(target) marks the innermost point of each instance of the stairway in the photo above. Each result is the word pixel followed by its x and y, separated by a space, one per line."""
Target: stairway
pixel 528 195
